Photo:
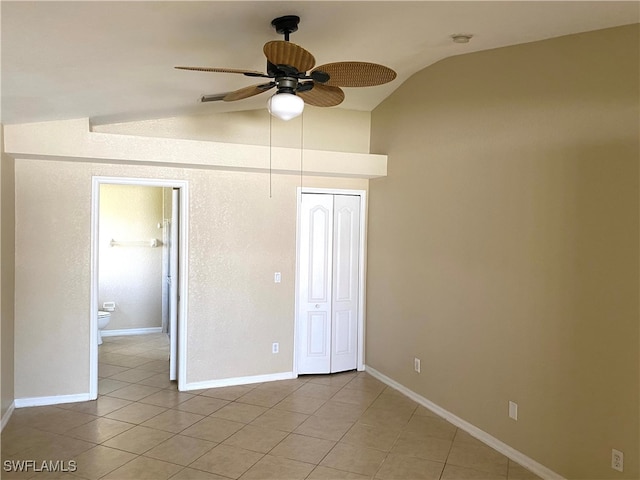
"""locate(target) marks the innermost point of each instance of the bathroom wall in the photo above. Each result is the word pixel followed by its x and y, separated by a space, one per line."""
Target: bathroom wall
pixel 131 276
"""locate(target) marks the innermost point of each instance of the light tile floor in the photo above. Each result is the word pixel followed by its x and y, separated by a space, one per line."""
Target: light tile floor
pixel 344 426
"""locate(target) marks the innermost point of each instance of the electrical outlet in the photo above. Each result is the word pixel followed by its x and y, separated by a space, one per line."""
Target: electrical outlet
pixel 617 460
pixel 275 347
pixel 416 364
pixel 513 410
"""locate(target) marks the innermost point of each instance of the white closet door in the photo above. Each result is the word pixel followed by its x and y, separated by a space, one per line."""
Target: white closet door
pixel 346 246
pixel 328 275
pixel 316 256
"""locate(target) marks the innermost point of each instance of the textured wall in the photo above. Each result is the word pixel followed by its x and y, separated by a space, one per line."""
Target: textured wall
pixel 238 238
pixel 53 228
pixel 131 276
pixel 7 246
pixel 504 245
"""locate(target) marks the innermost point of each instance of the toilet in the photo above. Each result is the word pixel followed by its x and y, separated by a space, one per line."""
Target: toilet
pixel 103 321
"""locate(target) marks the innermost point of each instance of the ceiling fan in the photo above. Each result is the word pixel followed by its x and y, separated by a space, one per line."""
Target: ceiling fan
pixel 291 70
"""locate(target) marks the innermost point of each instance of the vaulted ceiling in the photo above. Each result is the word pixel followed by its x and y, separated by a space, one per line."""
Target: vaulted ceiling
pixel 113 61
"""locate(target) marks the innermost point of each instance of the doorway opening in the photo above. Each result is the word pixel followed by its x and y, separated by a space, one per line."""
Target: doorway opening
pixel 329 326
pixel 113 265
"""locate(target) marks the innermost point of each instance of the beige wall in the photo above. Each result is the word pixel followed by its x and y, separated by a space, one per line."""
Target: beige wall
pixel 503 245
pixel 324 129
pixel 7 243
pixel 130 276
pixel 239 237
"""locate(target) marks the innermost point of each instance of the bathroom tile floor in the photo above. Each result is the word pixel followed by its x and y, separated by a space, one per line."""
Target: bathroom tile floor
pixel 343 426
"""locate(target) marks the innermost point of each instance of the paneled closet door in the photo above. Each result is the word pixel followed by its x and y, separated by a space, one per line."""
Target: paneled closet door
pixel 329 283
pixel 346 283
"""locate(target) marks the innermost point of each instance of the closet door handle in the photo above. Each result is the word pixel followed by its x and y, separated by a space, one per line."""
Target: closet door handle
pixel 317 305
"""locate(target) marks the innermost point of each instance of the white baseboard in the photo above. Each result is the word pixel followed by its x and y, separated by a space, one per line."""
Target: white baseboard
pixel 471 429
pixel 7 415
pixel 53 400
pixel 130 331
pixel 230 382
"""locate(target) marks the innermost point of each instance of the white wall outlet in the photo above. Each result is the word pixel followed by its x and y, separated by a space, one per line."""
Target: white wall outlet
pixel 416 364
pixel 617 460
pixel 277 277
pixel 513 410
pixel 275 347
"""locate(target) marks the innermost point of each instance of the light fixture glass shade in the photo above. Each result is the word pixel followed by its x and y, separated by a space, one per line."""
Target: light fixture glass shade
pixel 285 106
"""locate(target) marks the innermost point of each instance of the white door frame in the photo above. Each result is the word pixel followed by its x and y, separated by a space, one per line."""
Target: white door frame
pixel 183 185
pixel 361 267
pixel 174 293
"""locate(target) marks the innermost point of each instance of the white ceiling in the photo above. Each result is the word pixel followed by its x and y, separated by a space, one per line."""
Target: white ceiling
pixel 113 61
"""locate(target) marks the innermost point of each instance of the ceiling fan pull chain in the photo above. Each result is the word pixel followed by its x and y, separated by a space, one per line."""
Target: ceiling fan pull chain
pixel 270 149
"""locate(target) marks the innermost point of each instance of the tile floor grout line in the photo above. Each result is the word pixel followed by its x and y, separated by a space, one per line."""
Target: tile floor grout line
pixel 448 453
pixel 387 453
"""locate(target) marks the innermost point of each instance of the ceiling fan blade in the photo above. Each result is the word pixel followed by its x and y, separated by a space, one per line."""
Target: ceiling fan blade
pixel 247 92
pixel 216 97
pixel 248 73
pixel 356 74
pixel 280 52
pixel 322 96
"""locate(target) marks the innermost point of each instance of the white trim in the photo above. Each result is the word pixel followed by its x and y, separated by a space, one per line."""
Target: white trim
pixel 183 272
pixel 54 400
pixel 363 277
pixel 362 266
pixel 230 382
pixel 7 415
pixel 471 429
pixel 130 331
pixel 93 297
pixel 183 255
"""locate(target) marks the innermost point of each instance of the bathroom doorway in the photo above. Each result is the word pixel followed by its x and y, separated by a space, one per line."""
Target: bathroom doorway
pixel 139 266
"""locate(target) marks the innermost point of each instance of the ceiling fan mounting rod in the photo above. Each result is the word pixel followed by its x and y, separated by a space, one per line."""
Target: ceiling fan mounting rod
pixel 286 25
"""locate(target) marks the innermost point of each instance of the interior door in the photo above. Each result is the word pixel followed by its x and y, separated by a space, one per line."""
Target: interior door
pixel 329 237
pixel 346 261
pixel 316 254
pixel 173 284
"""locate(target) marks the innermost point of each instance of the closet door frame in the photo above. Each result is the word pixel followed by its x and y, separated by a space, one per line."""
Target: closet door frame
pixel 361 267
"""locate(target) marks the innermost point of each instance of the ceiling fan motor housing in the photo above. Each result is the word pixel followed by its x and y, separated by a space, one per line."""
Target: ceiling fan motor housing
pixel 287 85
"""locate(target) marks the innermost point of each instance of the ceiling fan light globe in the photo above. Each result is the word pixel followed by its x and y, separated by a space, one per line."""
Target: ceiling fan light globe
pixel 285 106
